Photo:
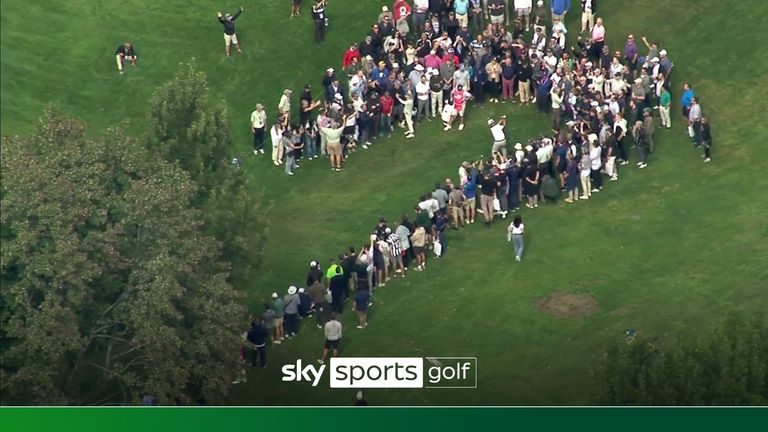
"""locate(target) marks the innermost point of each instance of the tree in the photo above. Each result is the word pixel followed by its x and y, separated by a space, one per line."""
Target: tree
pixel 111 287
pixel 196 137
pixel 726 367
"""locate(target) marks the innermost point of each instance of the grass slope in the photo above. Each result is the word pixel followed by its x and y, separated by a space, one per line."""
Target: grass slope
pixel 665 250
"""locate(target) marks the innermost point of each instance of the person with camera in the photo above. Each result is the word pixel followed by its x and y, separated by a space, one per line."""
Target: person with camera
pixel 320 20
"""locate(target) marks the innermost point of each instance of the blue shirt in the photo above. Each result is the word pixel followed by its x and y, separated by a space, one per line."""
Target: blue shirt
pixel 461 7
pixel 687 96
pixel 559 7
pixel 469 186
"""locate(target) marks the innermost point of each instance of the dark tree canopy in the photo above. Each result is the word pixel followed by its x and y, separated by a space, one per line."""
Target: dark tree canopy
pixel 111 285
pixel 728 366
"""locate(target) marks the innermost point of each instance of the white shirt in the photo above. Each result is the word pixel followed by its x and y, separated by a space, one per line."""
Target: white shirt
pixel 276 134
pixel 523 4
pixel 422 90
pixel 595 157
pixel 497 131
pixel 430 206
pixel 560 26
pixel 421 6
pixel 258 119
pixel 285 104
pixel 332 330
pixel 516 230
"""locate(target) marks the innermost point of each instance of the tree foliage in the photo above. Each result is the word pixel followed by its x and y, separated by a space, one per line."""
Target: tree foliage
pixel 187 131
pixel 111 287
pixel 726 367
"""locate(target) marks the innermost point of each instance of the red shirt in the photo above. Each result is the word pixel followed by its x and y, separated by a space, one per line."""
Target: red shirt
pixel 401 9
pixel 387 103
pixel 349 55
pixel 459 97
pixel 448 57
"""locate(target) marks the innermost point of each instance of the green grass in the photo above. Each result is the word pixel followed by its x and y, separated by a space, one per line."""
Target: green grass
pixel 665 250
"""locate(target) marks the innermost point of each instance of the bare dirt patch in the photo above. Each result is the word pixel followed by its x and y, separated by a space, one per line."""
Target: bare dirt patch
pixel 564 305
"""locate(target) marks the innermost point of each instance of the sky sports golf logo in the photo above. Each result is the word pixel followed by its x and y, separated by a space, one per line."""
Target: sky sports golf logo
pixel 388 372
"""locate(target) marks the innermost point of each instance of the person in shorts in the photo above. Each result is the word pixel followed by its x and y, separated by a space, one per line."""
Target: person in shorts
pixel 332 330
pixel 362 299
pixel 459 98
pixel 497 10
pixel 333 143
pixel 230 36
pixel 523 12
pixel 278 306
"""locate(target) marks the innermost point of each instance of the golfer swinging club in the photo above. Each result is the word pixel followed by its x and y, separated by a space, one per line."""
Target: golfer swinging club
pixel 499 138
pixel 230 37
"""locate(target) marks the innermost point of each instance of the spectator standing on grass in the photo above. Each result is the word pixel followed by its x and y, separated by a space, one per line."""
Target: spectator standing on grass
pixel 123 53
pixel 257 336
pixel 571 178
pixel 320 20
pixel 230 36
pixel 686 98
pixel 531 184
pixel 560 8
pixel 515 233
pixel 317 292
pixel 694 121
pixel 419 241
pixel 268 317
pixel 648 129
pixel 291 301
pixel 488 189
pixel 258 127
pixel 588 10
pixel 665 101
pixel 332 330
pixel 295 8
pixel 333 143
pixel 362 297
pixel 706 139
pixel 639 133
pixel 279 307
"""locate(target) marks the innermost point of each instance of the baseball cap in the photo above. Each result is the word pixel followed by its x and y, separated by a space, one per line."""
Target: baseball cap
pixel 384 9
pixel 274 295
pixel 518 146
pixel 291 290
pixel 330 70
pixel 663 53
pixel 491 121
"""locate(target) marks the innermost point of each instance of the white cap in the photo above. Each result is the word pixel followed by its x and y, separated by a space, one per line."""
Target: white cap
pixel 419 67
pixel 490 122
pixel 339 96
pixel 592 137
pixel 540 3
pixel 529 147
pixel 388 231
pixel 313 263
pixel 655 59
pixel 663 53
pixel 291 289
pixel 330 70
pixel 595 104
pixel 518 146
pixel 301 290
pixel 384 9
pixel 395 65
pixel 588 64
pixel 274 295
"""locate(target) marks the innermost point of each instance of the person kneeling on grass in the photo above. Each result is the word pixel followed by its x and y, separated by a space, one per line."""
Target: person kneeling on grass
pixel 332 330
pixel 125 52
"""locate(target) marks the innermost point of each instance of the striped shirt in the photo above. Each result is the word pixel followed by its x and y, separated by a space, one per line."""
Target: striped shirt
pixel 395 246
